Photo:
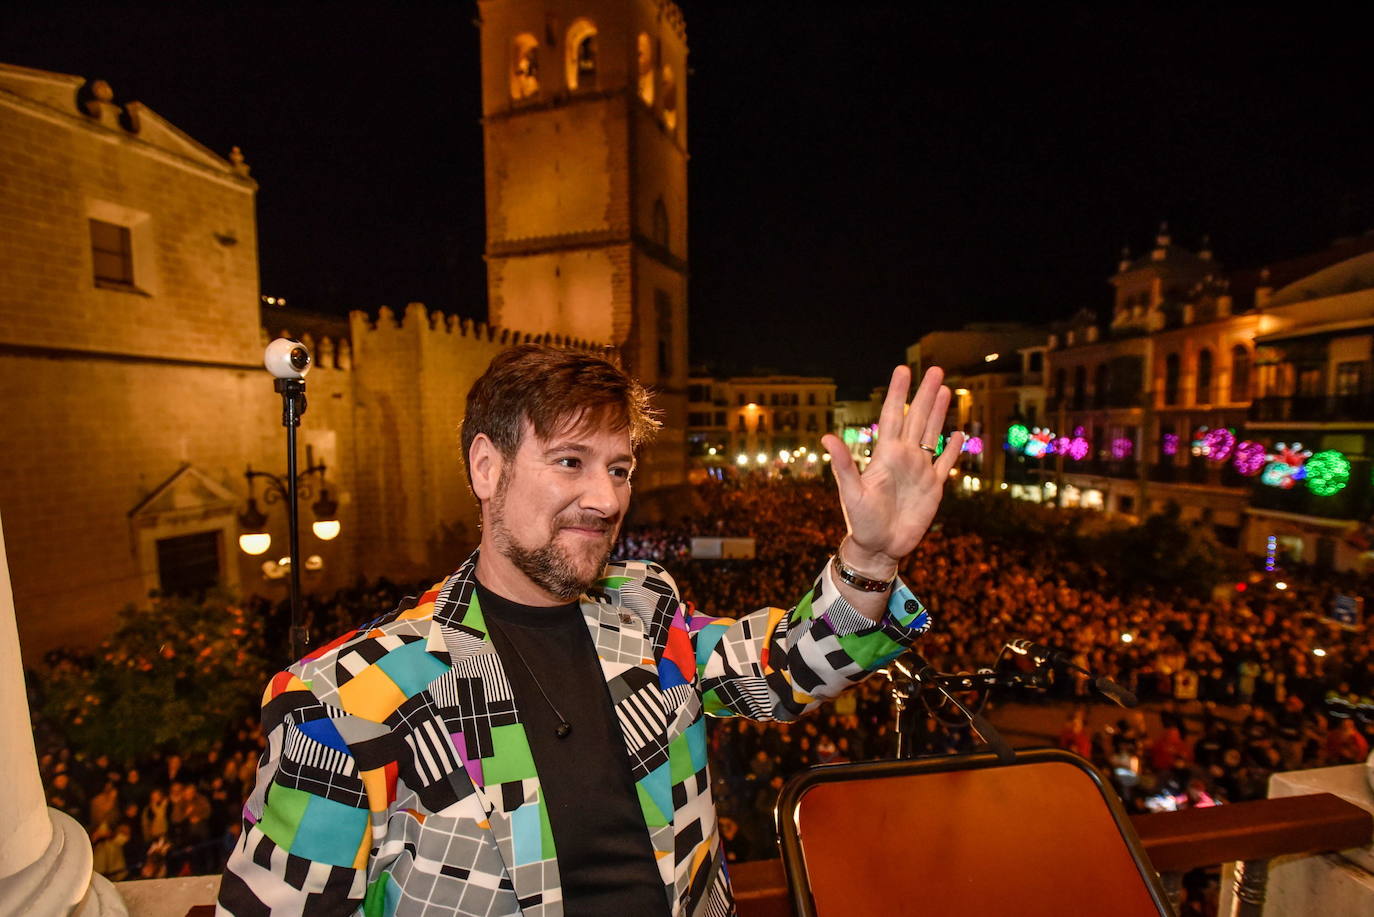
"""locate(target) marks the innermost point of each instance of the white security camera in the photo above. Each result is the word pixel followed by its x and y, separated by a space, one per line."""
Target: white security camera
pixel 287 358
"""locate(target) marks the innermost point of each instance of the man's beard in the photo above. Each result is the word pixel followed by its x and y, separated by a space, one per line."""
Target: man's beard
pixel 550 566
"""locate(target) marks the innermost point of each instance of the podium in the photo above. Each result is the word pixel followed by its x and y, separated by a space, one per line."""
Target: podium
pixel 963 835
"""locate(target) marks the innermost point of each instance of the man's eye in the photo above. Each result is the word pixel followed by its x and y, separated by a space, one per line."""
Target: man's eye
pixel 570 462
pixel 622 473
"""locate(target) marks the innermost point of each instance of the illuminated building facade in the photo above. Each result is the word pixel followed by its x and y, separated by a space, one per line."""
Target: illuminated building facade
pixel 1313 414
pixel 772 424
pixel 1243 400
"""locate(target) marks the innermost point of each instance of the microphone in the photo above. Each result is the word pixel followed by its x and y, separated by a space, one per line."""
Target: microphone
pixel 1114 692
pixel 1064 659
pixel 1048 653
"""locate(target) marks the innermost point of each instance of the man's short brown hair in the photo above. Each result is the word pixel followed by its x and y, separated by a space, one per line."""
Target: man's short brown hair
pixel 555 390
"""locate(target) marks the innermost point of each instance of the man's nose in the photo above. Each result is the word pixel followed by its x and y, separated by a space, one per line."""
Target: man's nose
pixel 600 495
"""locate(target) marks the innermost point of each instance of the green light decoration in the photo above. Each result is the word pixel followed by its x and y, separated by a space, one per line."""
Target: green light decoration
pixel 939 444
pixel 1017 436
pixel 1327 473
pixel 851 436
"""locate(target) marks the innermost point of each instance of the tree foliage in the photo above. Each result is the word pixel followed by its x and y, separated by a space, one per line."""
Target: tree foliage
pixel 176 677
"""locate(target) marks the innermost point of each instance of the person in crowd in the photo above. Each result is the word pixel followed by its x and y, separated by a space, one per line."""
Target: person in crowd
pixel 1345 745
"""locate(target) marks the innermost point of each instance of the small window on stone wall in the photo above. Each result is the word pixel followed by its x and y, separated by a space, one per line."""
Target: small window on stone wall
pixel 524 67
pixel 645 50
pixel 188 564
pixel 112 251
pixel 581 55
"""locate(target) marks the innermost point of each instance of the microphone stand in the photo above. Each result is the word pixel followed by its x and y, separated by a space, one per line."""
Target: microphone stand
pixel 913 684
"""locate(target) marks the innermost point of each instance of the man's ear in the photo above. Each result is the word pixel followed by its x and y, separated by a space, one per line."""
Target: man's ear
pixel 484 463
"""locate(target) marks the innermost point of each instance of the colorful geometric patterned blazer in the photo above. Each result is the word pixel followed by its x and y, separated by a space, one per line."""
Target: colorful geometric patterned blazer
pixel 398 779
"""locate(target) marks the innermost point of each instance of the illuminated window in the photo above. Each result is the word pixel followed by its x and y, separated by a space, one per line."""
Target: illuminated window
pixel 645 50
pixel 581 55
pixel 524 67
pixel 112 251
pixel 669 99
pixel 1350 378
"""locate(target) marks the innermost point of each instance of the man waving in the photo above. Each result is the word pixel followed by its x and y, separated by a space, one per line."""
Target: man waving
pixel 528 737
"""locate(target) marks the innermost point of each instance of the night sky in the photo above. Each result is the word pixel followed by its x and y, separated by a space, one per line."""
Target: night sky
pixel 860 173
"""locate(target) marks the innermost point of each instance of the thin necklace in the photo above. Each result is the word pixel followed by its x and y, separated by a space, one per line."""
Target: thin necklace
pixel 564 727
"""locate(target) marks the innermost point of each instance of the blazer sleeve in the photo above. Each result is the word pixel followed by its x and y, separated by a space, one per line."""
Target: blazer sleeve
pixel 776 664
pixel 306 826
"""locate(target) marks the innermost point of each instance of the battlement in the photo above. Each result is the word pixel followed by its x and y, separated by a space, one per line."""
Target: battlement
pixel 418 317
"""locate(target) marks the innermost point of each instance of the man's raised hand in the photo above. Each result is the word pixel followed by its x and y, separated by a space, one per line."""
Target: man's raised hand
pixel 889 506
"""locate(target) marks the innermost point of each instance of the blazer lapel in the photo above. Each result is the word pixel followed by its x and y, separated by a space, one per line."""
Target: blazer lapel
pixel 491 743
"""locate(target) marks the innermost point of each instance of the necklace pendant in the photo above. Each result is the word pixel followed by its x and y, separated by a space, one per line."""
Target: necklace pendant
pixel 563 730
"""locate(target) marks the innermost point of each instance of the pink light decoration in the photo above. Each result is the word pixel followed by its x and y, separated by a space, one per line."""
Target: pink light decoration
pixel 1078 448
pixel 1061 445
pixel 1249 458
pixel 973 445
pixel 1122 448
pixel 1169 444
pixel 1220 442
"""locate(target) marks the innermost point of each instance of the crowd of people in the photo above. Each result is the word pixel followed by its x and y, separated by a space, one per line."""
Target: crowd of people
pixel 1239 684
pixel 168 813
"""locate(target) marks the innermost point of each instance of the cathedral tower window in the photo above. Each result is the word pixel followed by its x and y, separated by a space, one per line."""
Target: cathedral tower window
pixel 660 227
pixel 663 309
pixel 581 55
pixel 524 68
pixel 645 54
pixel 669 99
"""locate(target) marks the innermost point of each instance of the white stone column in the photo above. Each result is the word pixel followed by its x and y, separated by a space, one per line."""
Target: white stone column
pixel 45 856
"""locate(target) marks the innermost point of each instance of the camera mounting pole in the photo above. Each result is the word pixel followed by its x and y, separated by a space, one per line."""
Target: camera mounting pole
pixel 292 393
pixel 288 360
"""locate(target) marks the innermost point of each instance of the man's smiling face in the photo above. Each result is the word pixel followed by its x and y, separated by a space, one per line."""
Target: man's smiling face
pixel 559 504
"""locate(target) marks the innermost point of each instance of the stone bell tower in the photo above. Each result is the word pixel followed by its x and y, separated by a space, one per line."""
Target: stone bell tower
pixel 584 110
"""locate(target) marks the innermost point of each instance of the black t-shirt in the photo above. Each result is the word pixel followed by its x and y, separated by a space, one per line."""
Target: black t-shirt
pixel 605 859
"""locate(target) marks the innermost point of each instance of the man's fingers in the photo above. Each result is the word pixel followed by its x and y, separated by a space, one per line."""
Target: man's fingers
pixel 916 418
pixel 841 464
pixel 950 457
pixel 935 420
pixel 890 420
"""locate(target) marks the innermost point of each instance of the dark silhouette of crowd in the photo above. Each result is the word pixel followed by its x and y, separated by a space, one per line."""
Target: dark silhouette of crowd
pixel 1236 684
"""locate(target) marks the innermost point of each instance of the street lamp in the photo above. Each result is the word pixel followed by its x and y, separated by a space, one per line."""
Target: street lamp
pixel 253 521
